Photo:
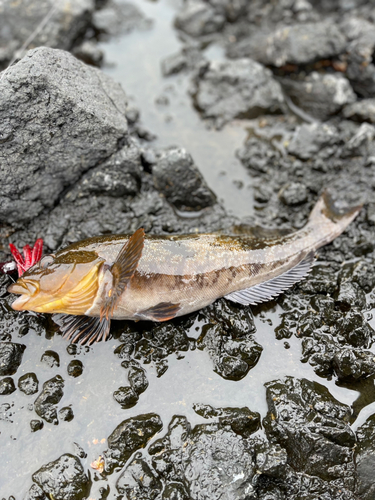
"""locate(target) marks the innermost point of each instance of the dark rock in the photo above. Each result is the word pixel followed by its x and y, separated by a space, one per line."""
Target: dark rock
pixel 72 137
pixel 10 357
pixel 50 358
pixel 360 66
pixel 237 89
pixel 365 460
pixel 242 421
pixel 139 481
pixel 296 44
pixel 28 383
pixel 66 414
pixel 188 58
pixel 6 386
pixel 75 368
pixel 45 403
pixel 128 437
pixel 20 19
pixel 353 364
pixel 313 428
pixel 175 491
pixel 294 193
pixel 36 425
pixel 177 177
pixel 361 111
pixel 89 53
pixel 63 479
pixel 199 18
pixel 229 342
pixel 163 340
pixel 207 455
pixel 272 460
pixel 35 493
pixel 321 96
pixel 137 378
pixel 350 295
pixel 309 139
pixel 126 397
pixel 117 18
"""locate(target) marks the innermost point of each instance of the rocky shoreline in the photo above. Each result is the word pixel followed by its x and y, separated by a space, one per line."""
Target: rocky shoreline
pixel 77 160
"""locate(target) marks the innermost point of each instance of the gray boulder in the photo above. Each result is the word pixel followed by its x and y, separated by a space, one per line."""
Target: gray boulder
pixel 361 111
pixel 297 44
pixel 67 22
pixel 58 119
pixel 237 89
pixel 320 95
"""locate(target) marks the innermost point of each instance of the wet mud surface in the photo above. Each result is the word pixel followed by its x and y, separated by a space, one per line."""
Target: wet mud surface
pixel 197 116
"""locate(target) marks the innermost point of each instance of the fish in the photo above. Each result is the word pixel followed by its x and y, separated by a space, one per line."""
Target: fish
pixel 160 277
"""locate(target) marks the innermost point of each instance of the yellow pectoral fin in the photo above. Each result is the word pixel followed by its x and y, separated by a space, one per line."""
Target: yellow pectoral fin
pixel 79 299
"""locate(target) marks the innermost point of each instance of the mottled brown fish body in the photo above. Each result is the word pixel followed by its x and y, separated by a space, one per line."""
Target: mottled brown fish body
pixel 160 277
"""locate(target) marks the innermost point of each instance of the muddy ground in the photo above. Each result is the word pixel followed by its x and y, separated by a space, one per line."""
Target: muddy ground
pixel 188 117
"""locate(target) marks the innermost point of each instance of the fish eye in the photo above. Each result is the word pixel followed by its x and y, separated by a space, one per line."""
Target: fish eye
pixel 47 259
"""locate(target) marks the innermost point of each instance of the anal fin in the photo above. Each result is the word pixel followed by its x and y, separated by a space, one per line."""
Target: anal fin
pixel 161 312
pixel 270 289
pixel 82 329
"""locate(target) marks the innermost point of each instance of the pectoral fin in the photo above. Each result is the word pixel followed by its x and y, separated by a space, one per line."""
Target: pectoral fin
pixel 272 288
pixel 82 329
pixel 161 312
pixel 123 270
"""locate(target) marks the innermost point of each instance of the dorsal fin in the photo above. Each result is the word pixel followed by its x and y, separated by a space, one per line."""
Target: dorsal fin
pixel 270 289
pixel 123 270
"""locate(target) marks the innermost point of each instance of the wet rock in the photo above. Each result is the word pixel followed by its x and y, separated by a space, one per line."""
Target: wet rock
pixel 206 455
pixel 36 425
pixel 350 295
pixel 272 460
pixel 320 95
pixel 35 493
pixel 45 403
pixel 242 421
pixel 295 44
pixel 360 66
pixel 28 383
pixel 232 357
pixel 313 428
pixel 75 368
pixel 51 359
pixel 128 437
pixel 83 125
pixel 118 17
pixel 365 459
pixel 156 345
pixel 66 414
pixel 126 397
pixel 68 22
pixel 237 89
pixel 294 193
pixel 139 481
pixel 10 357
pixel 199 18
pixel 361 111
pixel 175 491
pixel 63 479
pixel 178 178
pixel 6 386
pixel 188 58
pixel 89 53
pixel 309 139
pixel 137 378
pixel 354 364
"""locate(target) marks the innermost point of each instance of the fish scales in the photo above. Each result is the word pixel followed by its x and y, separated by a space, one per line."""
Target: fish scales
pixel 159 277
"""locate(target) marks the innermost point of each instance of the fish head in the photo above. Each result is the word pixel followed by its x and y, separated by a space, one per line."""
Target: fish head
pixel 63 283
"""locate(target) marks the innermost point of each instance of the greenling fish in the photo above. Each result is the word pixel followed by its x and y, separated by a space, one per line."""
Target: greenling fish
pixel 145 277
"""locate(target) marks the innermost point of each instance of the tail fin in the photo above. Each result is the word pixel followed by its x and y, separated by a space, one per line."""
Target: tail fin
pixel 330 219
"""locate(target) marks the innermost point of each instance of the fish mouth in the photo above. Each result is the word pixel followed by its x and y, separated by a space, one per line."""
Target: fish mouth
pixel 27 289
